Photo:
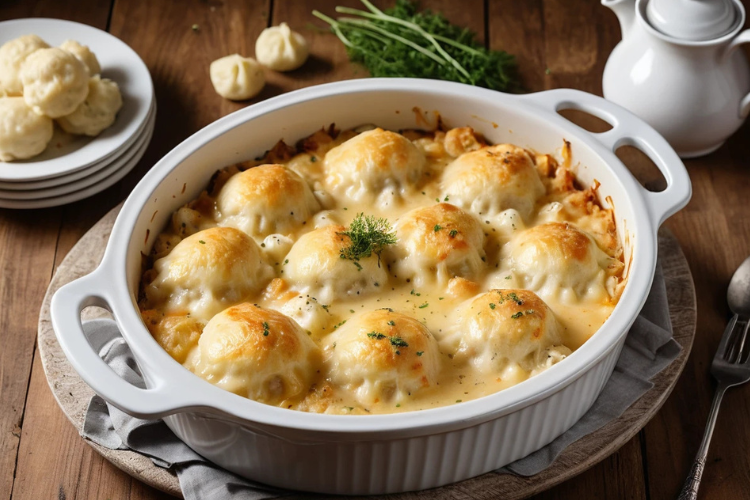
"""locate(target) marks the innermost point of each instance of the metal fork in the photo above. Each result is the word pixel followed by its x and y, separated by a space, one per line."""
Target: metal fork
pixel 730 367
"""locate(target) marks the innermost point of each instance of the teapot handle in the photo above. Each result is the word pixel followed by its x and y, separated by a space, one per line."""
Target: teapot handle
pixel 743 37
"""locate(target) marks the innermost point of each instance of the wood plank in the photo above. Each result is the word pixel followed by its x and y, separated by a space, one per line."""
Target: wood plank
pixel 27 250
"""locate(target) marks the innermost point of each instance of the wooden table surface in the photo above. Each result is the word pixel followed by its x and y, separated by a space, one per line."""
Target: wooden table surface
pixel 558 43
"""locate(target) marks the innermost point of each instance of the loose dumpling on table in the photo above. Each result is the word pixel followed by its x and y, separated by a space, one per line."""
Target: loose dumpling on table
pixel 315 266
pixel 437 243
pixel 374 166
pixel 207 272
pixel 266 199
pixel 257 353
pixel 509 332
pixel 382 356
pixel 557 258
pixel 492 179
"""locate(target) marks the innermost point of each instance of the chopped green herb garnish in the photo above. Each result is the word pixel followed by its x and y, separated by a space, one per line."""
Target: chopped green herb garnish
pixel 413 292
pixel 446 198
pixel 458 401
pixel 266 329
pixel 441 298
pixel 325 306
pixel 392 323
pixel 350 408
pixel 201 242
pixel 517 315
pixel 437 227
pixel 419 353
pixel 351 311
pixel 368 236
pixel 437 200
pixel 453 233
pixel 424 305
pixel 514 298
pixel 398 405
pixel 339 324
pixel 333 345
pixel 286 261
pixel 492 305
pixel 313 159
pixel 508 277
pixel 398 342
pixel 376 335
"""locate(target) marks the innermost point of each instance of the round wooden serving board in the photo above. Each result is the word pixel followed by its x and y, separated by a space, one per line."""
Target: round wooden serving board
pixel 73 394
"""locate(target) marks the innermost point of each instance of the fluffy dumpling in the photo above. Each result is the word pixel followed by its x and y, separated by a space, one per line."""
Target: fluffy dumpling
pixel 97 111
pixel 23 133
pixel 377 164
pixel 437 243
pixel 207 272
pixel 315 266
pixel 265 200
pixel 237 78
pixel 257 353
pixel 557 257
pixel 382 356
pixel 54 81
pixel 492 179
pixel 12 56
pixel 83 53
pixel 502 331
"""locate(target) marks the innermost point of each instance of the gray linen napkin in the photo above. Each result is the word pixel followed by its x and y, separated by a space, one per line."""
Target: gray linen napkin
pixel 649 348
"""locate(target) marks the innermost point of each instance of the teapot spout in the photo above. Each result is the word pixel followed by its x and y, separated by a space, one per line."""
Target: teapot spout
pixel 625 12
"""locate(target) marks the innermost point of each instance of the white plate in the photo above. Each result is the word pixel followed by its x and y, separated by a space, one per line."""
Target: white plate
pixel 119 63
pixel 102 174
pixel 85 172
pixel 83 193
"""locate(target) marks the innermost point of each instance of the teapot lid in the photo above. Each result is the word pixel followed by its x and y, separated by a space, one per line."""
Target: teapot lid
pixel 696 20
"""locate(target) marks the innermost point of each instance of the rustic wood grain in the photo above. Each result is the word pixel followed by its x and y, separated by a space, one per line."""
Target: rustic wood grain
pixel 27 252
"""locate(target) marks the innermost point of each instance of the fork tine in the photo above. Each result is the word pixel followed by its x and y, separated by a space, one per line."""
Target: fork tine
pixel 741 350
pixel 725 345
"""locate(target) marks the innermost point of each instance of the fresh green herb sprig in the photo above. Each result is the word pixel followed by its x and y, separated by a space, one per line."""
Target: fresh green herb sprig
pixel 401 42
pixel 368 236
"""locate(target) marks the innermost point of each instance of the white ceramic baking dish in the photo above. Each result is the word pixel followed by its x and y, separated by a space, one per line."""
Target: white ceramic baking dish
pixel 378 453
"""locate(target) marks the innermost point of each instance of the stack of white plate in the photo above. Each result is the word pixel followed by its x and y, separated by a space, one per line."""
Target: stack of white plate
pixel 76 167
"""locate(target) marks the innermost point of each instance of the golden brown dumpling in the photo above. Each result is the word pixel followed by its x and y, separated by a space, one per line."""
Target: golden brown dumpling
pixel 505 330
pixel 207 272
pixel 437 243
pixel 382 356
pixel 265 200
pixel 557 257
pixel 257 353
pixel 492 179
pixel 374 166
pixel 315 266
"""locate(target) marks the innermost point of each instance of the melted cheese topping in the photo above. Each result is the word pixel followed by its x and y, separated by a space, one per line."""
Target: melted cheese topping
pixel 502 267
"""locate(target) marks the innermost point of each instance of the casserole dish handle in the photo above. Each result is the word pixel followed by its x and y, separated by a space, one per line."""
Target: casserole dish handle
pixel 629 130
pixel 65 310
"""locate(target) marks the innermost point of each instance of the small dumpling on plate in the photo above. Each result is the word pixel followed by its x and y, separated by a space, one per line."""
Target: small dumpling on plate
pixel 23 133
pixel 257 353
pixel 504 331
pixel 266 199
pixel 559 259
pixel 207 272
pixel 382 356
pixel 12 56
pixel 55 82
pixel 437 243
pixel 83 53
pixel 492 179
pixel 375 166
pixel 237 78
pixel 315 265
pixel 97 112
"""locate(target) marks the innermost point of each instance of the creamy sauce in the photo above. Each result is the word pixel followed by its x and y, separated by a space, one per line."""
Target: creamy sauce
pixel 432 304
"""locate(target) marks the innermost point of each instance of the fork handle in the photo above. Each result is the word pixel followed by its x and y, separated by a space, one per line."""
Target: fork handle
pixel 693 481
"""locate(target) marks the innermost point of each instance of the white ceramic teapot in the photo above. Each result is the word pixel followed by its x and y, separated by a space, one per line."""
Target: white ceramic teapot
pixel 677 67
